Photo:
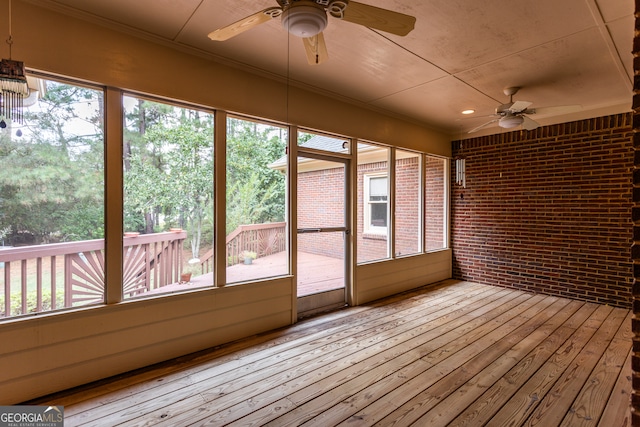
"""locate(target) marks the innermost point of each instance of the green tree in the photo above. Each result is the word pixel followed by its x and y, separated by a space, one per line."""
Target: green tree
pixel 52 176
pixel 188 169
pixel 169 170
pixel 255 191
pixel 143 116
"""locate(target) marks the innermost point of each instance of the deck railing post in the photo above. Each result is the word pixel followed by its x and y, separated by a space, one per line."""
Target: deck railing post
pixel 7 289
pixel 147 266
pixel 39 284
pixel 23 285
pixel 68 287
pixel 54 282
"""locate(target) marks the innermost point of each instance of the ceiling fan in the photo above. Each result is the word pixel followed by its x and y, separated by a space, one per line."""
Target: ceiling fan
pixel 513 114
pixel 308 18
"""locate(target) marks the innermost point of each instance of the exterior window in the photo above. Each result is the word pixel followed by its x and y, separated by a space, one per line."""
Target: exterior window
pixel 377 204
pixel 435 203
pixel 168 198
pixel 373 203
pixel 407 209
pixel 256 188
pixel 52 201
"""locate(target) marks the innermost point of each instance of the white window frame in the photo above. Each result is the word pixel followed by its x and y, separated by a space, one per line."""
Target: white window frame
pixel 368 227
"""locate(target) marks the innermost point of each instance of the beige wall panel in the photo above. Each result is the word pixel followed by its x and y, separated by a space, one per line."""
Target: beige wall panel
pixel 76 351
pixel 379 280
pixel 76 48
pixel 241 294
pixel 76 347
pixel 41 383
pixel 46 329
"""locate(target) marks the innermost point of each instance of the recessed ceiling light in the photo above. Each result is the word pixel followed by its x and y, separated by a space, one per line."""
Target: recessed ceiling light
pixel 468 111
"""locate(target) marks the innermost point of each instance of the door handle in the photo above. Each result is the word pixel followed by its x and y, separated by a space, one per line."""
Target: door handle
pixel 309 230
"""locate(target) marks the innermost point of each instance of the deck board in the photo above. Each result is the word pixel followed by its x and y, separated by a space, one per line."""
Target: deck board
pixel 455 353
pixel 483 408
pixel 596 390
pixel 616 412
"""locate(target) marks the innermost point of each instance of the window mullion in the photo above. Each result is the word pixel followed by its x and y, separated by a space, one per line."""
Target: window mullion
pixel 114 195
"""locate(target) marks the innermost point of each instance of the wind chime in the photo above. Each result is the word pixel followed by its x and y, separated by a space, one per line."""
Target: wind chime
pixel 461 173
pixel 13 86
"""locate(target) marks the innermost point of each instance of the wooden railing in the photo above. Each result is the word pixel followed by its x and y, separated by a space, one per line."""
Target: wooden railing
pixel 261 239
pixel 47 277
pixel 71 274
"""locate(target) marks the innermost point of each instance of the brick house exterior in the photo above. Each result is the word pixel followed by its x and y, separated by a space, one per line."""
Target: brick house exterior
pixel 326 182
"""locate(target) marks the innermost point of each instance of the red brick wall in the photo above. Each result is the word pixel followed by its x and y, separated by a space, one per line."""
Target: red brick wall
pixel 434 209
pixel 328 186
pixel 407 206
pixel 321 203
pixel 635 249
pixel 548 211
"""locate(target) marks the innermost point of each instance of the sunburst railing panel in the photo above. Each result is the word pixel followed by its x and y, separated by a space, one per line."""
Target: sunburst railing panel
pixel 42 278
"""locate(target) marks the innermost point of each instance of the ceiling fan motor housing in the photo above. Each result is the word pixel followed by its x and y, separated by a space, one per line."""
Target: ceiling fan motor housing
pixel 502 109
pixel 510 121
pixel 304 19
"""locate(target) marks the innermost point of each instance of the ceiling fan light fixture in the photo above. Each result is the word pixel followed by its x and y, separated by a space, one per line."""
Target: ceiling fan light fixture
pixel 510 121
pixel 304 20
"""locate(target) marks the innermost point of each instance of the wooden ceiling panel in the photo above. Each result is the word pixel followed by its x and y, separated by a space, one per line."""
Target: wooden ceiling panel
pixel 459 35
pixel 441 103
pixel 621 31
pixel 163 18
pixel 613 9
pixel 556 73
pixel 461 52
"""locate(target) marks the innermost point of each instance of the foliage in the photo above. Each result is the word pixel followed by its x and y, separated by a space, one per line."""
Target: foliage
pixel 194 269
pixel 188 174
pixel 32 302
pixel 169 170
pixel 53 175
pixel 255 191
pixel 52 180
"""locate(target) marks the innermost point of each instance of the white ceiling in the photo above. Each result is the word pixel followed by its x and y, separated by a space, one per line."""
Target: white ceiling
pixel 461 54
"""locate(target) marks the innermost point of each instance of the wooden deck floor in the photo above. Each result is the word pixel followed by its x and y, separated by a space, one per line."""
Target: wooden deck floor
pixel 316 273
pixel 455 354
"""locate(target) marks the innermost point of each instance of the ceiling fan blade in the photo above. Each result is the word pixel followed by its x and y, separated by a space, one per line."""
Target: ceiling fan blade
pixel 529 124
pixel 519 106
pixel 379 19
pixel 483 125
pixel 557 110
pixel 315 48
pixel 245 24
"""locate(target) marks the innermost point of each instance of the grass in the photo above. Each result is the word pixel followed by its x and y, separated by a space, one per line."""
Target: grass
pixel 32 276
